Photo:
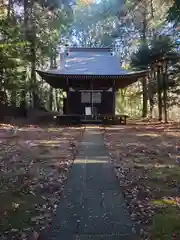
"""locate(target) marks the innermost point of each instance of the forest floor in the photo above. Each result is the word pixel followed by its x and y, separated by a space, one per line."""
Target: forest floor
pixel 34 164
pixel 146 158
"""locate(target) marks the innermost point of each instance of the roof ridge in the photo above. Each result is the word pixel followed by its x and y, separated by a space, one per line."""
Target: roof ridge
pixel 89 49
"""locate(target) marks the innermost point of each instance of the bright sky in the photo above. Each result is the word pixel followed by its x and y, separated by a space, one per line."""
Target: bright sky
pixel 90 1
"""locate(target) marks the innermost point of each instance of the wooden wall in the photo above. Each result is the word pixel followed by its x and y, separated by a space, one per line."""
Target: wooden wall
pixel 106 107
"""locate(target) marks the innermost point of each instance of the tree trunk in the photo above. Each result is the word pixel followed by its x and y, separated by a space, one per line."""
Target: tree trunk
pixel 9 8
pixel 54 59
pixel 23 96
pixel 13 98
pixel 51 98
pixel 151 92
pixel 145 98
pixel 1 71
pixel 26 18
pixel 52 65
pixel 159 93
pixel 165 94
pixel 33 74
pixel 151 102
pixel 57 100
pixel 23 105
pixel 30 34
pixel 144 81
pixel 32 40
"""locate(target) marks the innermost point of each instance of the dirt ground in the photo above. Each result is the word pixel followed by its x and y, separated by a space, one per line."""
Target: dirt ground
pixel 146 157
pixel 34 165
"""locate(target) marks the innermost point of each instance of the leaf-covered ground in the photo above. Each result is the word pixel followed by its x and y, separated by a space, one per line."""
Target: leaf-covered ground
pixel 34 164
pixel 146 159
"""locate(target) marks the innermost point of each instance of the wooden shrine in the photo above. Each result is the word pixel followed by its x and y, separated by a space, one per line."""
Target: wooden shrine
pixel 90 77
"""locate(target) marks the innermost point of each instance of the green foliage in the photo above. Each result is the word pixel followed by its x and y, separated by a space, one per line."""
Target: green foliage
pixel 25 46
pixel 161 47
pixel 27 40
pixel 141 59
pixel 174 13
pixel 95 24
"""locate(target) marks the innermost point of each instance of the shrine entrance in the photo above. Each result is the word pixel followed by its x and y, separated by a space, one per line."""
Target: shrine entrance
pixel 91 100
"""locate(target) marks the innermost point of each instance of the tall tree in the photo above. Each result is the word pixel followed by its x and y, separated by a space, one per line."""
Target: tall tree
pixel 174 12
pixel 28 39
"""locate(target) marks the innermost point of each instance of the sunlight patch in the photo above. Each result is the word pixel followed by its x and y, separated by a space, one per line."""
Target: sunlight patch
pixel 85 161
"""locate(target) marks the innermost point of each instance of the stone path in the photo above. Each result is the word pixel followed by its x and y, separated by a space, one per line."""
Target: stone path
pixel 93 207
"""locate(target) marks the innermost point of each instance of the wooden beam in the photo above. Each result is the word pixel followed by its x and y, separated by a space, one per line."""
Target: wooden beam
pixel 68 95
pixel 114 97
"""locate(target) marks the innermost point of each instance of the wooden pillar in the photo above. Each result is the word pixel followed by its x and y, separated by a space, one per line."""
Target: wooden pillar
pixel 114 97
pixel 67 101
pixel 92 103
pixel 67 97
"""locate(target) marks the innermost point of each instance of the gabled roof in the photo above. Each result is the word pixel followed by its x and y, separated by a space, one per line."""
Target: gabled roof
pixel 88 63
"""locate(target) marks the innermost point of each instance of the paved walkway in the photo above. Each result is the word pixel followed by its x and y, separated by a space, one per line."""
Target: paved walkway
pixel 93 207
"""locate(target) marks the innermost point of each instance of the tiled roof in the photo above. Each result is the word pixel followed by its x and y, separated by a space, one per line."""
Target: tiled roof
pixel 89 61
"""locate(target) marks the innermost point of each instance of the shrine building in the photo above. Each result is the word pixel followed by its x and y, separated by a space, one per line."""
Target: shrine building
pixel 90 77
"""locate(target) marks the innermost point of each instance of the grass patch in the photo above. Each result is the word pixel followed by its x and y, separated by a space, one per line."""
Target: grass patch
pixel 154 175
pixel 18 212
pixel 166 225
pixel 166 172
pixel 164 202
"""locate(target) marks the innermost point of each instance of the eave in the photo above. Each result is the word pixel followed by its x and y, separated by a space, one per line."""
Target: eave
pixel 63 81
